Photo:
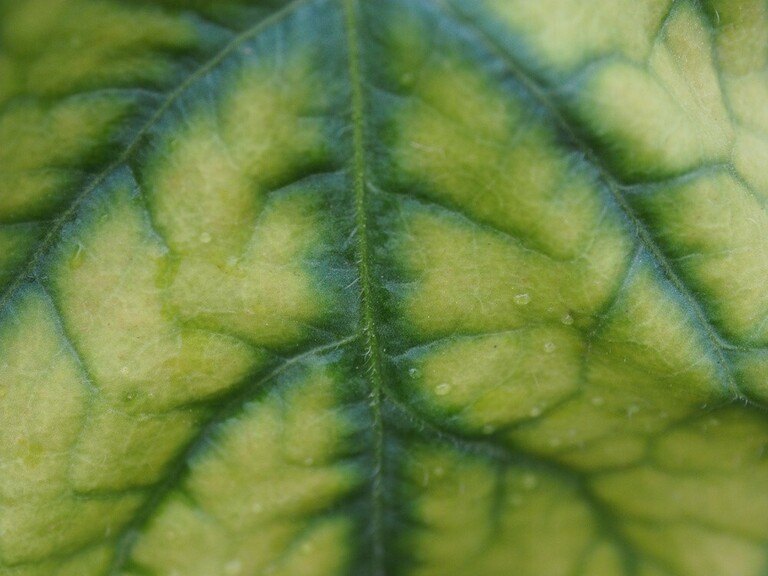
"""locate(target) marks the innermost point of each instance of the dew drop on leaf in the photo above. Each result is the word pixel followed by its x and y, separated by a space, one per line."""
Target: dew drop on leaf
pixel 443 389
pixel 522 299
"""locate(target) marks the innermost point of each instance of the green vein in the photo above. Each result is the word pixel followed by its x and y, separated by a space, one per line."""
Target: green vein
pixel 367 327
pixel 458 212
pixel 718 343
pixel 71 212
pixel 505 456
pixel 129 535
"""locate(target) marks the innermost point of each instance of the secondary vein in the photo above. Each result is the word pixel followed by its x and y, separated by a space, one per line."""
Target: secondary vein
pixel 718 344
pixel 178 469
pixel 72 210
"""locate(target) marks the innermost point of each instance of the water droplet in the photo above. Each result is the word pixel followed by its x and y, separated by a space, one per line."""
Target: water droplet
pixel 443 389
pixel 567 319
pixel 597 401
pixel 413 372
pixel 233 567
pixel 549 347
pixel 530 481
pixel 535 412
pixel 205 238
pixel 632 409
pixel 522 299
pixel 78 256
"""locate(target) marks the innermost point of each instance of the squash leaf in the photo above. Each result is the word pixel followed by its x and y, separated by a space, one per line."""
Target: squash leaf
pixel 392 287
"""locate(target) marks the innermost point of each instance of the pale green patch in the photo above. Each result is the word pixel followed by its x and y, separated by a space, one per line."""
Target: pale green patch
pixel 88 562
pixel 753 372
pixel 43 146
pixel 35 444
pixel 641 371
pixel 740 43
pixel 522 374
pixel 509 508
pixel 485 158
pixel 239 510
pixel 676 488
pixel 109 286
pixel 397 288
pixel 646 84
pixel 664 115
pixel 42 514
pixel 473 280
pixel 236 249
pixel 568 33
pixel 750 153
pixel 723 260
pixel 75 44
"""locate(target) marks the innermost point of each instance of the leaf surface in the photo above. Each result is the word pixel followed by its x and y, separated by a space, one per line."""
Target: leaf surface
pixel 405 287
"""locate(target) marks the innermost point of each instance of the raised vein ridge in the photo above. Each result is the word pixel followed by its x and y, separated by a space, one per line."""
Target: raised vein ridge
pixel 367 325
pixel 718 344
pixel 72 210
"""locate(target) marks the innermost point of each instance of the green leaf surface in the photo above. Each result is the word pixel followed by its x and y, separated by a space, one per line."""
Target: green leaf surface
pixel 383 287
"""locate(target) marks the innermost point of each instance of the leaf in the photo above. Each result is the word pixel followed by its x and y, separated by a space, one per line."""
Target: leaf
pixel 407 287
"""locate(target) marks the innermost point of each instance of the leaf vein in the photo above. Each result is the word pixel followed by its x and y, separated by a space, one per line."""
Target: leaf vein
pixel 367 326
pixel 177 470
pixel 72 210
pixel 718 344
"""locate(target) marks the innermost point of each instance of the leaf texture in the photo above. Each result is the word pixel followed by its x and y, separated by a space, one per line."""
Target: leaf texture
pixel 397 287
